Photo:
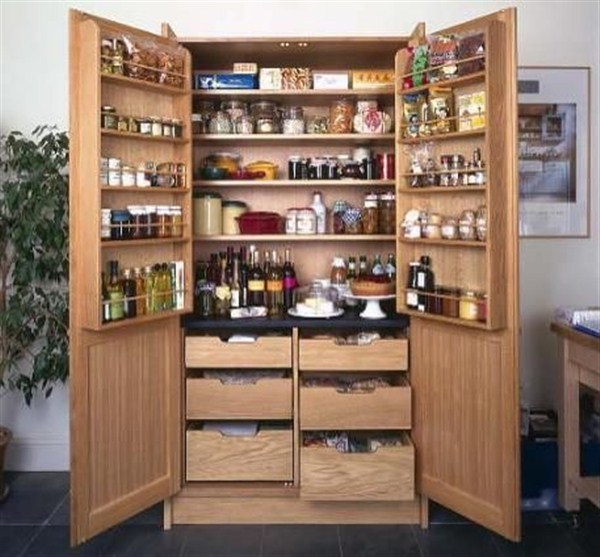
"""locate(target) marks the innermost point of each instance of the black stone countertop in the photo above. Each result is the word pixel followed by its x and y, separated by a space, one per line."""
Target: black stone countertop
pixel 350 320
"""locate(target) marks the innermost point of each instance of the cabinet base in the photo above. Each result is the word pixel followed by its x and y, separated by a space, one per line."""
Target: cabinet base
pixel 290 510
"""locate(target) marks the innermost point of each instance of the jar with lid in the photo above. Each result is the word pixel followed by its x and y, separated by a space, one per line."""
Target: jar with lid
pixel 431 226
pixel 157 126
pixel 317 124
pixel 333 167
pixel 244 125
pixel 353 221
pixel 341 116
pixel 114 177
pixel 482 305
pixel 338 271
pixel 337 213
pixel 145 125
pixel 293 120
pixel 144 174
pixel 449 228
pixel 466 226
pixel 167 127
pixel 444 179
pixel 481 223
pixel 220 122
pixel 235 108
pixel 231 211
pixel 208 213
pixel 351 170
pixel 105 220
pixel 128 176
pixel 202 118
pixel 163 229
pixel 295 170
pixel 266 117
pixel 412 286
pixel 176 128
pixel 108 117
pixel 387 213
pixel 451 299
pixel 370 214
pixel 152 222
pixel 306 221
pixel 133 124
pixel 176 221
pixel 468 307
pixel 120 221
pixel 139 221
pixel 436 305
pixel 291 216
pixel 456 167
pixel 123 124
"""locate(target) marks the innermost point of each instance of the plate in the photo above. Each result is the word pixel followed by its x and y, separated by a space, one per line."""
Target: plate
pixel 336 313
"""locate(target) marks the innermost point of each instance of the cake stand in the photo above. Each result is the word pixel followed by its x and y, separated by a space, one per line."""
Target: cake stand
pixel 373 309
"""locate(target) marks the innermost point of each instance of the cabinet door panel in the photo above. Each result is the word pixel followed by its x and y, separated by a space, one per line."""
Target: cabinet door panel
pixel 125 397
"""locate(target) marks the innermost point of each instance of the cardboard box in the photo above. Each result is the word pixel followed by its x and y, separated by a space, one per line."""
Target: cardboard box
pixel 245 67
pixel 224 80
pixel 331 80
pixel 270 78
pixel 372 79
pixel 470 109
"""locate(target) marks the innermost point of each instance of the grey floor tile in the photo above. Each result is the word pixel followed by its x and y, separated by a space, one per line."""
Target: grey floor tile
pixel 61 515
pixel 302 540
pixel 223 540
pixel 455 540
pixel 14 539
pixel 378 541
pixel 442 515
pixel 153 515
pixel 53 541
pixel 29 507
pixel 145 541
pixel 540 540
pixel 34 481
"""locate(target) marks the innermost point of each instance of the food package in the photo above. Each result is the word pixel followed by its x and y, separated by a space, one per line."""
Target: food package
pixel 224 80
pixel 372 79
pixel 245 67
pixel 471 111
pixel 440 109
pixel 443 50
pixel 415 114
pixel 417 64
pixel 323 80
pixel 296 78
pixel 469 47
pixel 269 78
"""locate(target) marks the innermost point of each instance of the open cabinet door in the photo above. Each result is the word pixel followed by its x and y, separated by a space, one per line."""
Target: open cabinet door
pixel 465 374
pixel 125 374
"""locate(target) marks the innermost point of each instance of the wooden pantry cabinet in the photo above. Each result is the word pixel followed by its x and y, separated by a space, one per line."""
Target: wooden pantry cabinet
pixel 138 387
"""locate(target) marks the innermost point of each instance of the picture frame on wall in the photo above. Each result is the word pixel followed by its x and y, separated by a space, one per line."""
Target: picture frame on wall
pixel 554 151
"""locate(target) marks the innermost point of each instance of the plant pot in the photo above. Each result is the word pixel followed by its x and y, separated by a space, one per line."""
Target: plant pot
pixel 5 436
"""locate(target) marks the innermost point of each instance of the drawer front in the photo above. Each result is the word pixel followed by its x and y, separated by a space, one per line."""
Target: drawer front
pixel 387 474
pixel 383 408
pixel 267 399
pixel 212 456
pixel 212 352
pixel 380 355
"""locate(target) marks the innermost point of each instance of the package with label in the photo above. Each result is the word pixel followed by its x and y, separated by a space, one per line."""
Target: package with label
pixel 330 80
pixel 296 78
pixel 245 67
pixel 470 109
pixel 269 78
pixel 372 79
pixel 224 80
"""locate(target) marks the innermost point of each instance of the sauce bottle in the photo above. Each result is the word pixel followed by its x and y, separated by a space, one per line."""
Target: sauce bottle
pixel 425 283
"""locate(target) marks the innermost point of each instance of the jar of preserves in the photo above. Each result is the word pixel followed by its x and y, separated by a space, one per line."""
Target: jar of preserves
pixel 370 214
pixel 145 125
pixel 341 116
pixel 293 120
pixel 387 213
pixel 231 211
pixel 451 299
pixel 176 221
pixel 306 221
pixel 468 306
pixel 208 214
pixel 108 117
pixel 120 221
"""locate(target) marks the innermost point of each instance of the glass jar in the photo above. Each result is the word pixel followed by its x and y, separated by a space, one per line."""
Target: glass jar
pixel 481 223
pixel 266 117
pixel 201 120
pixel 167 127
pixel 176 221
pixel 295 163
pixel 128 176
pixel 231 211
pixel 482 305
pixel 337 275
pixel 337 211
pixel 133 123
pixel 466 226
pixel 244 125
pixel 105 221
pixel 108 117
pixel 341 115
pixel 449 228
pixel 176 128
pixel 293 120
pixel 152 222
pixel 220 122
pixel 306 221
pixel 163 229
pixel 353 221
pixel 370 214
pixel 145 125
pixel 157 126
pixel 387 213
pixel 144 175
pixel 291 216
pixel 317 124
pixel 208 214
pixel 138 221
pixel 123 124
pixel 114 177
pixel 468 306
pixel 120 221
pixel 236 109
pixel 450 304
pixel 351 170
pixel 436 303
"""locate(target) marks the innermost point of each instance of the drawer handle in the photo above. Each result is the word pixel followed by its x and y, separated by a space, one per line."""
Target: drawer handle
pixel 368 391
pixel 241 339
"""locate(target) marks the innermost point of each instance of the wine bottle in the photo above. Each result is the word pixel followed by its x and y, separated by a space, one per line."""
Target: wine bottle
pixel 290 283
pixel 256 283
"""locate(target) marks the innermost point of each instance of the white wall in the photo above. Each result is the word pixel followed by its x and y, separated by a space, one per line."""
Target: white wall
pixel 34 87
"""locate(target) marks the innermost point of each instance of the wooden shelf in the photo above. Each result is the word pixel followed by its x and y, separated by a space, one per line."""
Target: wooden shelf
pixel 142 190
pixel 143 137
pixel 443 319
pixel 143 85
pixel 445 243
pixel 438 189
pixel 142 242
pixel 456 82
pixel 143 319
pixel 445 65
pixel 265 138
pixel 297 238
pixel 442 136
pixel 295 183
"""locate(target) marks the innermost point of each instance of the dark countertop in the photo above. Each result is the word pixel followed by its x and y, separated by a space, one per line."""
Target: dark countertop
pixel 350 320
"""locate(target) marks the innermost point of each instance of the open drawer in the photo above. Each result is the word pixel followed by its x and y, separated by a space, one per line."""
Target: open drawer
pixel 268 398
pixel 213 456
pixel 387 474
pixel 386 407
pixel 212 352
pixel 386 354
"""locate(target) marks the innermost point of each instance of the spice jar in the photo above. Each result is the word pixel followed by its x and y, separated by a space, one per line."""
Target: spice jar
pixel 208 213
pixel 105 224
pixel 138 221
pixel 436 302
pixel 176 221
pixel 133 124
pixel 128 176
pixel 466 226
pixel 450 304
pixel 351 170
pixel 449 228
pixel 468 307
pixel 123 124
pixel 370 214
pixel 231 211
pixel 114 177
pixel 152 222
pixel 176 128
pixel 293 120
pixel 167 127
pixel 290 220
pixel 295 170
pixel 341 115
pixel 145 125
pixel 306 221
pixel 120 225
pixel 157 126
pixel 163 229
pixel 108 118
pixel 481 223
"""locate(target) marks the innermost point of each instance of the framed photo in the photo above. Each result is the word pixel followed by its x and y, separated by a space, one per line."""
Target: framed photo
pixel 554 151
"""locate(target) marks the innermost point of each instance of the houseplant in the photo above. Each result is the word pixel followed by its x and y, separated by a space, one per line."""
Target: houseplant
pixel 33 265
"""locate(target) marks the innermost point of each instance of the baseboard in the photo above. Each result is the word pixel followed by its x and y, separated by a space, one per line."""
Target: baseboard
pixel 45 454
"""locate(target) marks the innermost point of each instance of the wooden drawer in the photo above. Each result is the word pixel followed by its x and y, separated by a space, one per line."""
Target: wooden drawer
pixel 388 474
pixel 267 399
pixel 212 352
pixel 380 355
pixel 212 456
pixel 382 408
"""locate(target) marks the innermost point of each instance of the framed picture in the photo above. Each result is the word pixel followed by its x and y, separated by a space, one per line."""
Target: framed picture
pixel 554 151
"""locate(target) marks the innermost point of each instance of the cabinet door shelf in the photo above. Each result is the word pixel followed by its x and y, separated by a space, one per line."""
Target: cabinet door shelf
pixel 265 138
pixel 141 242
pixel 143 85
pixel 438 189
pixel 144 318
pixel 143 137
pixel 143 190
pixel 446 243
pixel 442 136
pixel 294 183
pixel 443 319
pixel 456 82
pixel 298 238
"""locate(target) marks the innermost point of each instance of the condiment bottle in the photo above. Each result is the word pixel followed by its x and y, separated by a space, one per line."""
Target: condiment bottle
pixel 425 283
pixel 115 292
pixel 412 298
pixel 290 283
pixel 338 271
pixel 320 210
pixel 129 292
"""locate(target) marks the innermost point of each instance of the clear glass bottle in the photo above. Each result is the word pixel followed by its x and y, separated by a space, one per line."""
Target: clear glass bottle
pixel 338 273
pixel 320 211
pixel 115 292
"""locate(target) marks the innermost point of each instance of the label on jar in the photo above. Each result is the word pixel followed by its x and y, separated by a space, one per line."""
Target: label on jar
pixel 306 224
pixel 114 177
pixel 256 285
pixel 412 299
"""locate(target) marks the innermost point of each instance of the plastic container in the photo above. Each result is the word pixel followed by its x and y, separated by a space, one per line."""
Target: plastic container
pixel 231 211
pixel 208 215
pixel 260 222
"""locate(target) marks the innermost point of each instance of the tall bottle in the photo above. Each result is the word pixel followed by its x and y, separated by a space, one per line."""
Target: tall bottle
pixel 115 292
pixel 377 268
pixel 149 287
pixel 320 210
pixel 229 268
pixel 256 283
pixel 129 292
pixel 105 300
pixel 425 283
pixel 203 295
pixel 167 287
pixel 390 267
pixel 266 263
pixel 290 283
pixel 362 266
pixel 412 295
pixel 222 292
pixel 244 271
pixel 351 274
pixel 274 286
pixel 234 288
pixel 140 292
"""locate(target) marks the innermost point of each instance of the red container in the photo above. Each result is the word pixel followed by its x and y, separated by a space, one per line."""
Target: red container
pixel 260 222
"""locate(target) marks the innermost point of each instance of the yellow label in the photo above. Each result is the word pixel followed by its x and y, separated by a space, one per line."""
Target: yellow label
pixel 274 285
pixel 256 285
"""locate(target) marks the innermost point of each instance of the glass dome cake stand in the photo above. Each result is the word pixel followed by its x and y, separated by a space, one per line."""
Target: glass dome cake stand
pixel 373 308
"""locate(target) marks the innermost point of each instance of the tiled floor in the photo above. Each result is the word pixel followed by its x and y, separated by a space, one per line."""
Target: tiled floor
pixel 34 522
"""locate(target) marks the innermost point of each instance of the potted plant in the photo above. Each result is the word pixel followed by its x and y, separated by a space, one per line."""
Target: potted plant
pixel 33 266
